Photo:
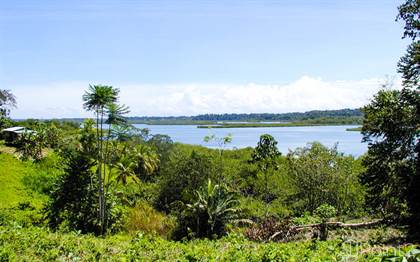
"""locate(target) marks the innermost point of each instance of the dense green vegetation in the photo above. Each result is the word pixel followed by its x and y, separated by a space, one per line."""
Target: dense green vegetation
pixel 264 117
pixel 326 117
pixel 309 122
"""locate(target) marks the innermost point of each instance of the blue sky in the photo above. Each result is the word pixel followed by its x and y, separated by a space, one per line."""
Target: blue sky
pixel 190 55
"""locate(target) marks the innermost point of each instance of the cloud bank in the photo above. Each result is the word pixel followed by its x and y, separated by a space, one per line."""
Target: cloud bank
pixel 59 100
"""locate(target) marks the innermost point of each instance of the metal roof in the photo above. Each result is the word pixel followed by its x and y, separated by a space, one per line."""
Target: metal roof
pixel 14 129
pixel 18 130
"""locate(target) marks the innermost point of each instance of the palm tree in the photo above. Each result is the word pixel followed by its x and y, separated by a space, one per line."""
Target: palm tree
pixel 115 118
pixel 96 99
pixel 116 114
pixel 138 163
pixel 147 161
pixel 125 169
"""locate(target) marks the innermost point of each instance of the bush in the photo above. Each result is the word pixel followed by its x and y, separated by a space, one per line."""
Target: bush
pixel 207 216
pixel 324 212
pixel 255 209
pixel 182 175
pixel 323 175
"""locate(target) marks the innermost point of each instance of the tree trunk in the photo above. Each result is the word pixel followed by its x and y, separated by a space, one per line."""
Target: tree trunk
pixel 99 170
pixel 331 225
pixel 323 231
pixel 101 184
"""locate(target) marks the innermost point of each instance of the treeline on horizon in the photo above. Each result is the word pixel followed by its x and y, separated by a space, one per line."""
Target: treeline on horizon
pixel 254 117
pixel 355 115
pixel 292 116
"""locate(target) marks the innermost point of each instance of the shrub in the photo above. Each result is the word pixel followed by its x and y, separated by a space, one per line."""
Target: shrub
pixel 324 212
pixel 323 175
pixel 207 216
pixel 182 175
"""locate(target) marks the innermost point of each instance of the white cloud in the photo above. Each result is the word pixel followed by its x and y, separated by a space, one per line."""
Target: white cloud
pixel 307 93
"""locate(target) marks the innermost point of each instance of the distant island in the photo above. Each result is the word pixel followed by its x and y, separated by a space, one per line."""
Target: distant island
pixel 309 118
pixel 355 114
pixel 315 117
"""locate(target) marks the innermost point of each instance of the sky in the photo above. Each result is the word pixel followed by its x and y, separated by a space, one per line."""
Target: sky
pixel 194 57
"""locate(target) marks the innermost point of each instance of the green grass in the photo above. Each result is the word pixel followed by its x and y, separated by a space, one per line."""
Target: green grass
pixel 23 188
pixel 356 129
pixel 12 189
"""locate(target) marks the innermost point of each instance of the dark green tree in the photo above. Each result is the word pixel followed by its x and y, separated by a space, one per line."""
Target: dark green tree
pixel 410 13
pixel 181 176
pixel 409 67
pixel 74 198
pixel 391 127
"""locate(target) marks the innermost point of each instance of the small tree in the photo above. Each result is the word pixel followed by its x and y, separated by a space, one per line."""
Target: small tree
pixel 221 143
pixel 319 175
pixel 73 199
pixel 265 156
pixel 324 212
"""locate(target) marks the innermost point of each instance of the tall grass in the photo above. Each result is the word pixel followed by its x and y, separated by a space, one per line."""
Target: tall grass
pixel 145 218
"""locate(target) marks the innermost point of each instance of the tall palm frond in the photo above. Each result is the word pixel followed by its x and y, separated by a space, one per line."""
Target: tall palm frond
pixel 98 96
pixel 124 169
pixel 116 114
pixel 147 161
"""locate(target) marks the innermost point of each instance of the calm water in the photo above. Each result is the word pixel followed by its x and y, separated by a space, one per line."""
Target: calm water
pixel 287 137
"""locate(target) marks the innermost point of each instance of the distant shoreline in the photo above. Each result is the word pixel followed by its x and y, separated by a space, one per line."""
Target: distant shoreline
pixel 254 125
